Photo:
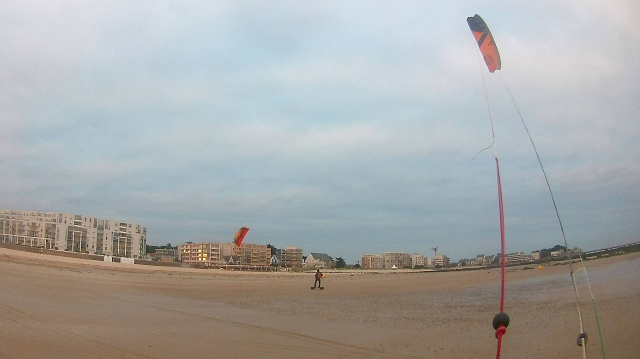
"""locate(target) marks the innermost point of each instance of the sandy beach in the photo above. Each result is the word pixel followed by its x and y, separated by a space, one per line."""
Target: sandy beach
pixel 56 307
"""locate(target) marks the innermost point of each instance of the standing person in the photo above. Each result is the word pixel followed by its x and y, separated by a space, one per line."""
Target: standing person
pixel 318 279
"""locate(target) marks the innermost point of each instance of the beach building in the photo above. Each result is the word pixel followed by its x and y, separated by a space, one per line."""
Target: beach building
pixel 214 253
pixel 252 254
pixel 518 257
pixel 440 260
pixel 417 260
pixel 428 262
pixel 276 256
pixel 165 255
pixel 535 255
pixel 397 259
pixel 291 257
pixel 372 261
pixel 232 260
pixel 488 260
pixel 318 260
pixel 207 253
pixel 73 233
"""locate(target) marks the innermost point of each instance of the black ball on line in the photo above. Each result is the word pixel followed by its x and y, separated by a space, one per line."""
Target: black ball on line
pixel 500 319
pixel 581 336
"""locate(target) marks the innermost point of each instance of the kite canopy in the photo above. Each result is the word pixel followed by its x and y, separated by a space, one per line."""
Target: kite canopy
pixel 485 41
pixel 240 236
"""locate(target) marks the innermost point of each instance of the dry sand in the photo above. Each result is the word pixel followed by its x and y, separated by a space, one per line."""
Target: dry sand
pixel 55 307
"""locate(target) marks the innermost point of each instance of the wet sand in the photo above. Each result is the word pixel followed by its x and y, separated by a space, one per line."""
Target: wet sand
pixel 56 307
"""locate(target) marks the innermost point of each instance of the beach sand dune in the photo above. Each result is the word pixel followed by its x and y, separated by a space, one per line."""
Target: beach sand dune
pixel 56 307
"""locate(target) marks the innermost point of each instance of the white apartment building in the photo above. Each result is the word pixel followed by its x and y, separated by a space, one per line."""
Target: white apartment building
pixel 440 260
pixel 73 233
pixel 518 257
pixel 417 260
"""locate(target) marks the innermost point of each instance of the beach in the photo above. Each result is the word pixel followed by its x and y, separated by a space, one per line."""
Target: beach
pixel 57 307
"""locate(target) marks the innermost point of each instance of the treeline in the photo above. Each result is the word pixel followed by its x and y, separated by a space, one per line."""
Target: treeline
pixel 546 253
pixel 152 249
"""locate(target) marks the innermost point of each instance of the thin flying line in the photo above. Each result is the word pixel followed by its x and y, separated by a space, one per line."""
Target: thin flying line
pixel 564 237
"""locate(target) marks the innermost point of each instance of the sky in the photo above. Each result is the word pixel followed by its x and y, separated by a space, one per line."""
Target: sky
pixel 340 127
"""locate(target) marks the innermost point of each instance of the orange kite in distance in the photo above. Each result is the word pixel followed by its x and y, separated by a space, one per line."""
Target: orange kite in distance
pixel 240 236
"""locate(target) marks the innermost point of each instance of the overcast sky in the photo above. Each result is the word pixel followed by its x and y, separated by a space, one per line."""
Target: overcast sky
pixel 341 127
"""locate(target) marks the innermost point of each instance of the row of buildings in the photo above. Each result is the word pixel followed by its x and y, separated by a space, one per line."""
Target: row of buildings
pixel 218 254
pixel 482 260
pixel 73 233
pixel 92 235
pixel 393 260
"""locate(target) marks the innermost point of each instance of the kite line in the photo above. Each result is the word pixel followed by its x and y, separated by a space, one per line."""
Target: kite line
pixel 582 337
pixel 492 60
pixel 491 57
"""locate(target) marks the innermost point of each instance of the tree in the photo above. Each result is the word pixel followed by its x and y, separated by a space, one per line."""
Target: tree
pixel 340 263
pixel 357 266
pixel 546 253
pixel 273 248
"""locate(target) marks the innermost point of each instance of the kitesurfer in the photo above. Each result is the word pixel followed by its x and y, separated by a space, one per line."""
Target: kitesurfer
pixel 318 279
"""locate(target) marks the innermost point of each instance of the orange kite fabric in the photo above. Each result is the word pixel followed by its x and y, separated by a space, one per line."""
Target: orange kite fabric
pixel 486 43
pixel 240 236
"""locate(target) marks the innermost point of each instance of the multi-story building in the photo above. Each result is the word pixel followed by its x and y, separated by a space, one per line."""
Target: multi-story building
pixel 210 253
pixel 74 233
pixel 518 257
pixel 428 262
pixel 397 259
pixel 535 255
pixel 253 254
pixel 441 260
pixel 207 253
pixel 291 257
pixel 488 260
pixel 372 261
pixel 417 260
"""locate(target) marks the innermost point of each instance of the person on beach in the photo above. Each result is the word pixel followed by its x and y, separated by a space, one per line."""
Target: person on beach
pixel 318 279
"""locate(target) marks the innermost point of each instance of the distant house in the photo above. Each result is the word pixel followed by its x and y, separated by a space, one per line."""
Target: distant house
pixel 232 260
pixel 276 256
pixel 318 260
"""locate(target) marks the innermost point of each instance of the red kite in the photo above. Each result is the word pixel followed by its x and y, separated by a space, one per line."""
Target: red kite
pixel 240 236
